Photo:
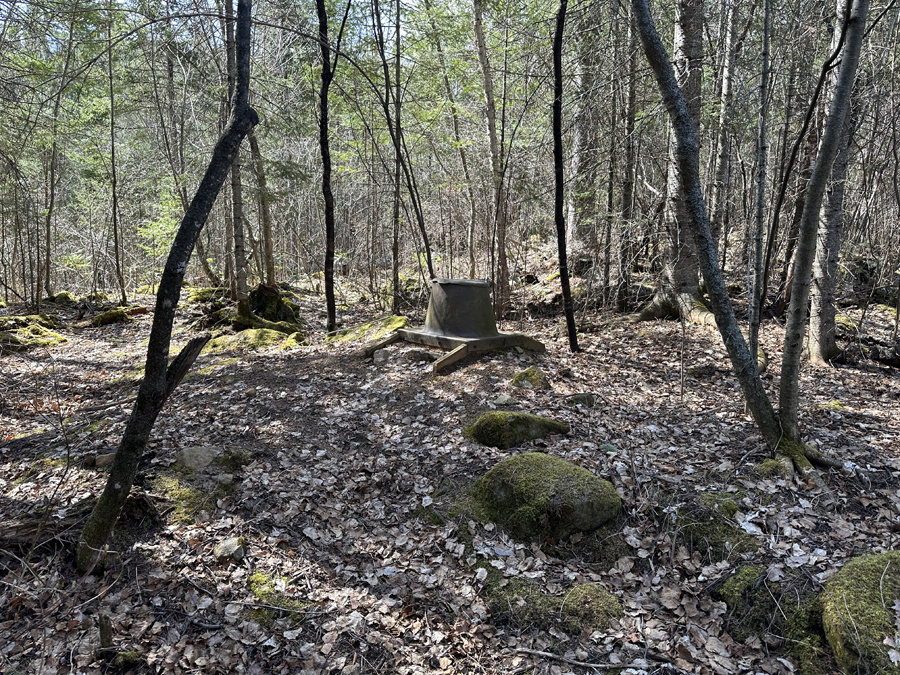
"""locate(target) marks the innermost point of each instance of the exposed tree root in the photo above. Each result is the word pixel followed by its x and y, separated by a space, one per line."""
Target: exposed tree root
pixel 799 456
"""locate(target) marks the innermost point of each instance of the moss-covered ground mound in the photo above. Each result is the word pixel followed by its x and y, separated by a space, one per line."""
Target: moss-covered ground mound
pixel 703 524
pixel 538 496
pixel 788 611
pixel 21 333
pixel 252 339
pixel 371 331
pixel 503 429
pixel 859 613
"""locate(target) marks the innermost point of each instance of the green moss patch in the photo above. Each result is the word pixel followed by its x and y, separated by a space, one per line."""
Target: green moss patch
pixel 530 378
pixel 504 429
pixel 372 331
pixel 538 496
pixel 8 323
pixel 201 295
pixel 28 337
pixel 62 298
pixel 522 603
pixel 702 525
pixel 771 467
pixel 266 590
pixel 858 613
pixel 252 339
pixel 789 609
pixel 187 499
pixel 294 340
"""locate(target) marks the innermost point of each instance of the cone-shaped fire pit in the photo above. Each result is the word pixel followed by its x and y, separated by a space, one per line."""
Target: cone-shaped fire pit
pixel 460 318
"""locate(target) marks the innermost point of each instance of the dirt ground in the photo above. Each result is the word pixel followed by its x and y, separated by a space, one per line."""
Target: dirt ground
pixel 357 560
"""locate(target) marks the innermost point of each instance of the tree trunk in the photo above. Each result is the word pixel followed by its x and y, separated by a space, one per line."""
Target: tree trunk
pixel 628 177
pixel 558 161
pixel 687 156
pixel 501 297
pixel 265 216
pixel 755 263
pixel 114 176
pixel 152 392
pixel 325 150
pixel 789 392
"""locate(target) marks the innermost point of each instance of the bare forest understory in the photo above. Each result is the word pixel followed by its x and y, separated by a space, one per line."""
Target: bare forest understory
pixel 346 481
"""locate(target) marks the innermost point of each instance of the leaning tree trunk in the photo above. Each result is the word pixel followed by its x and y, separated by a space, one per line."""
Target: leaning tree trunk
pixel 789 392
pixel 159 381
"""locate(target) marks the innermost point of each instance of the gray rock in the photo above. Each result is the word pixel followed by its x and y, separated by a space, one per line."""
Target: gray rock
pixel 197 457
pixel 416 355
pixel 231 549
pixel 225 479
pixel 530 378
pixel 586 400
pixel 504 399
pixel 104 460
pixel 380 356
pixel 537 496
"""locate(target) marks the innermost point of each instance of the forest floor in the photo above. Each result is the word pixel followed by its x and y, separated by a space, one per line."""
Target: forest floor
pixel 345 497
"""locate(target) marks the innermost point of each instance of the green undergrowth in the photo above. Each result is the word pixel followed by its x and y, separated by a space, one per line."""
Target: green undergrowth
pixel 272 592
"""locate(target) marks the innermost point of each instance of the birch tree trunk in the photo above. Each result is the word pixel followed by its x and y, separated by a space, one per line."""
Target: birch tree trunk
pixel 501 296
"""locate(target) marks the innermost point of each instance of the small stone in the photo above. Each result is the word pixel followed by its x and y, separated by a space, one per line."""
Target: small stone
pixel 407 420
pixel 250 393
pixel 380 356
pixel 416 355
pixel 585 400
pixel 104 460
pixel 198 456
pixel 231 549
pixel 225 479
pixel 504 399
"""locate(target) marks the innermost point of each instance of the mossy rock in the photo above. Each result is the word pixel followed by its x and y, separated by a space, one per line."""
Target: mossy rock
pixel 189 500
pixel 858 613
pixel 8 323
pixel 771 468
pixel 702 525
pixel 503 429
pixel 522 603
pixel 252 339
pixel 530 378
pixel 293 341
pixel 583 400
pixel 371 331
pixel 28 337
pixel 268 302
pixel 759 608
pixel 62 298
pixel 110 316
pixel 589 607
pixel 202 295
pixel 538 496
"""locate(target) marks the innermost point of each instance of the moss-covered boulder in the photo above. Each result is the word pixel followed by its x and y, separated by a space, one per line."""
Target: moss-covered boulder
pixel 503 429
pixel 62 298
pixel 43 320
pixel 371 331
pixel 293 341
pixel 252 339
pixel 589 607
pixel 858 613
pixel 271 304
pixel 201 295
pixel 530 378
pixel 28 337
pixel 538 496
pixel 110 316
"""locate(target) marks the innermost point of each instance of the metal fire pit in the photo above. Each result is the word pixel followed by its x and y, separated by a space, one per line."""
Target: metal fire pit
pixel 460 318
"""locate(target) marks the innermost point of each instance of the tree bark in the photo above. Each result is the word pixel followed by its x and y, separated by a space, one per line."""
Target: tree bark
pixel 118 254
pixel 789 392
pixel 501 297
pixel 325 150
pixel 687 156
pixel 152 392
pixel 559 179
pixel 265 216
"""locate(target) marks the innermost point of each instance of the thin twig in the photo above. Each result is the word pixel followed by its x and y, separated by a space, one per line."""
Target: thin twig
pixel 583 664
